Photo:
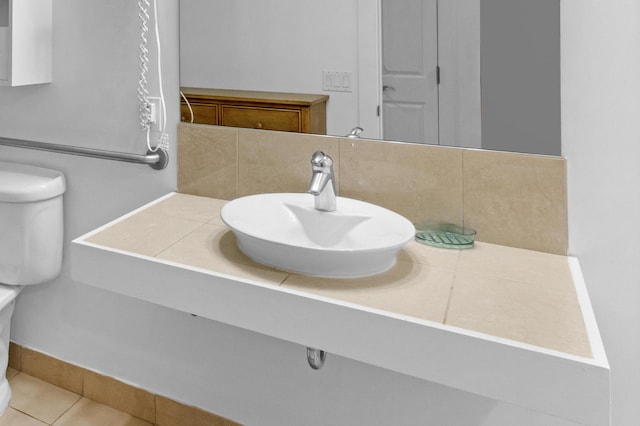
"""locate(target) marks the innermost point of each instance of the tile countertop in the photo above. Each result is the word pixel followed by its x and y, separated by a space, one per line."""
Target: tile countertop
pixel 517 299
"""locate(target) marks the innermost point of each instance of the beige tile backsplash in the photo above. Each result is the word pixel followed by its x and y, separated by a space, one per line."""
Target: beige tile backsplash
pixel 207 161
pixel 421 182
pixel 512 199
pixel 278 162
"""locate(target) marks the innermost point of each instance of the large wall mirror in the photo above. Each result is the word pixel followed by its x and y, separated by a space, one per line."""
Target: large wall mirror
pixel 473 73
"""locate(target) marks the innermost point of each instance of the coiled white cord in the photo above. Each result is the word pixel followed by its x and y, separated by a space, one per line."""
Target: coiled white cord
pixel 143 92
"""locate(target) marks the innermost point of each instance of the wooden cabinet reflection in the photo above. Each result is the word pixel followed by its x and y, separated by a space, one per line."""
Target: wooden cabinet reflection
pixel 288 112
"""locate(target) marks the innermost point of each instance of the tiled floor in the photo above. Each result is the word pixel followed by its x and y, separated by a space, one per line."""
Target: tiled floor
pixel 38 403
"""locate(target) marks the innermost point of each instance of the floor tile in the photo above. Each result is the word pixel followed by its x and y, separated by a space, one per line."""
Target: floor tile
pixel 171 413
pixel 13 417
pixel 91 413
pixel 40 399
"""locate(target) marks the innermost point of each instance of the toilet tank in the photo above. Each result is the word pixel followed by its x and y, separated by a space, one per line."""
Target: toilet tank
pixel 31 223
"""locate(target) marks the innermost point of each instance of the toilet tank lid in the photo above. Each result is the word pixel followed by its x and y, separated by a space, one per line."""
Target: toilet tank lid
pixel 21 183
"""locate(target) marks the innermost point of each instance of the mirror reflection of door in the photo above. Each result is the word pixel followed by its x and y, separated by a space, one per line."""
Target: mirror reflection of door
pixel 409 70
pixel 419 38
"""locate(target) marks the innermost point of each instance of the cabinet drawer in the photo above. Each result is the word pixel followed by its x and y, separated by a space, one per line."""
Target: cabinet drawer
pixel 286 120
pixel 202 114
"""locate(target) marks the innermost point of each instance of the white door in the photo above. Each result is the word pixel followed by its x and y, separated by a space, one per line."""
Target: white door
pixel 409 70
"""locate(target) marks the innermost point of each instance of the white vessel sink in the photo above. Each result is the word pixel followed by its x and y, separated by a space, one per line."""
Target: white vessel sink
pixel 286 231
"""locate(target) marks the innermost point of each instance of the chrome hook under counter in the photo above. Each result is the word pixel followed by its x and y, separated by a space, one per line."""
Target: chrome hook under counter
pixel 315 358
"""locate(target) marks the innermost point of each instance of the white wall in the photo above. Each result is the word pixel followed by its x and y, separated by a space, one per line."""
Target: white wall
pixel 236 373
pixel 92 102
pixel 601 140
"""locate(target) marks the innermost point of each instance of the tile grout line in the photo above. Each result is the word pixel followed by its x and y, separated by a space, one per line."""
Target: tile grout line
pixel 23 355
pixel 451 288
pixel 30 416
pixel 36 418
pixel 72 405
pixel 464 224
pixel 201 224
pixel 65 411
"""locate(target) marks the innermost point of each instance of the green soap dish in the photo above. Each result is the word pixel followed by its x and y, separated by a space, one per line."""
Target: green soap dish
pixel 445 235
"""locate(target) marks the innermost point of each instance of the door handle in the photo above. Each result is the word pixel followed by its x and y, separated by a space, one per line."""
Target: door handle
pixel 391 88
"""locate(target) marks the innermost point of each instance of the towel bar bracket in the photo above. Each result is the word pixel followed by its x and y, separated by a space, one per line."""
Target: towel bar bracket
pixel 163 159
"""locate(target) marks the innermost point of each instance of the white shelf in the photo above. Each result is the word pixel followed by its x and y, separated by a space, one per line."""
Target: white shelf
pixel 556 383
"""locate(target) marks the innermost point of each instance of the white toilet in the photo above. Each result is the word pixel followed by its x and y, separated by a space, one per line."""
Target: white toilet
pixel 31 236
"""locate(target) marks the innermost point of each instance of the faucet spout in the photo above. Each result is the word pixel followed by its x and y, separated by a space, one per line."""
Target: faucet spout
pixel 318 183
pixel 322 184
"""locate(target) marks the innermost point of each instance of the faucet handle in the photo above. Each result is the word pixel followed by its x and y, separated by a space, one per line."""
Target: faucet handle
pixel 320 159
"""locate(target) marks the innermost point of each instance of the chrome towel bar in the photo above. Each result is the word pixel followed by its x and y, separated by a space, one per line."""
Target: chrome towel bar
pixel 157 160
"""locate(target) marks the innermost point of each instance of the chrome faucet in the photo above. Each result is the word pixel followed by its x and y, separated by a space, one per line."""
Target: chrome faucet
pixel 323 185
pixel 355 133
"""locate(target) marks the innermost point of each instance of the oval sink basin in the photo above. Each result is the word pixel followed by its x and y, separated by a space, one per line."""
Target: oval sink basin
pixel 285 231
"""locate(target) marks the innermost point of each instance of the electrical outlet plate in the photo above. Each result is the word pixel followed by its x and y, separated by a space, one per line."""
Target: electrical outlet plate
pixel 337 81
pixel 155 106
